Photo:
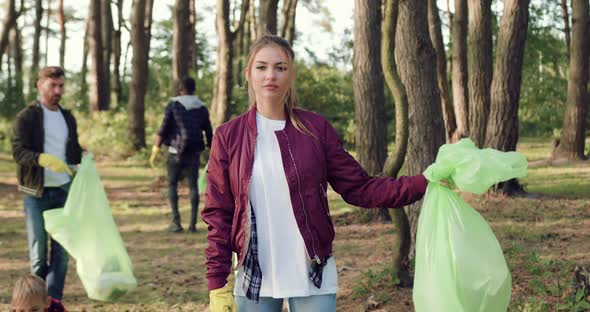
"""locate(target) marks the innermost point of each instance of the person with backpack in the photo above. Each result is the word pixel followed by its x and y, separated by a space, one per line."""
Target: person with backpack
pixel 185 120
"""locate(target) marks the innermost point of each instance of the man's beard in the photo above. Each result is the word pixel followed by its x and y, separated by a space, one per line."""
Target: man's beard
pixel 55 100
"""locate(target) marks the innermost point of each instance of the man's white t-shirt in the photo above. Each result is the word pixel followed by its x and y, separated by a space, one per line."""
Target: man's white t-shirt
pixel 282 255
pixel 56 137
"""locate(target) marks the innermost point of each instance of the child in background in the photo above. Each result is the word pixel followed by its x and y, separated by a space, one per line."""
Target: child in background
pixel 29 295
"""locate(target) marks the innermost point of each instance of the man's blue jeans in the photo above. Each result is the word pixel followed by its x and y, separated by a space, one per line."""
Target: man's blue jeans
pixel 324 303
pixel 52 270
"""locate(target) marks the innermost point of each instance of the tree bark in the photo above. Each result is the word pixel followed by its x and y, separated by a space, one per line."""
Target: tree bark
pixel 393 163
pixel 117 83
pixel 223 77
pixel 98 96
pixel 574 120
pixel 267 17
pixel 17 53
pixel 9 22
pixel 107 47
pixel 61 21
pixel 181 42
pixel 253 22
pixel 566 28
pixel 141 23
pixel 240 39
pixel 416 61
pixel 84 70
pixel 47 30
pixel 34 72
pixel 436 37
pixel 193 36
pixel 369 100
pixel 502 131
pixel 288 20
pixel 459 67
pixel 479 63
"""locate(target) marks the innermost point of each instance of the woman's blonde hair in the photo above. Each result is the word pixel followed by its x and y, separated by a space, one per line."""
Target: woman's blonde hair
pixel 290 98
pixel 28 290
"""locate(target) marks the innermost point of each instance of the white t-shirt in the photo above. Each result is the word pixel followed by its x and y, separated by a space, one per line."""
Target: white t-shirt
pixel 56 137
pixel 281 250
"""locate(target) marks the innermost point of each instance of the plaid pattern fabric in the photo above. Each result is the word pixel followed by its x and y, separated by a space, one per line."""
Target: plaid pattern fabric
pixel 252 272
pixel 316 269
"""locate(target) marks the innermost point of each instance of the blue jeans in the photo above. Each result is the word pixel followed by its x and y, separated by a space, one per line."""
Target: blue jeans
pixel 52 271
pixel 324 303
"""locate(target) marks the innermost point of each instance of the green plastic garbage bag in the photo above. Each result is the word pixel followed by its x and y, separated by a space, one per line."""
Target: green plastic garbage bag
pixel 85 228
pixel 460 266
pixel 203 179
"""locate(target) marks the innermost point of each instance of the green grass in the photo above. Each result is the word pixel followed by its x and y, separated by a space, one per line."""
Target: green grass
pixel 170 269
pixel 570 180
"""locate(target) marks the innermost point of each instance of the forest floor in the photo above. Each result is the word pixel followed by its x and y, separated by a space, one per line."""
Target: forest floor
pixel 543 235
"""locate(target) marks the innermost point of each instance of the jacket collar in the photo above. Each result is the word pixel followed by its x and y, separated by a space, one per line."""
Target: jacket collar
pixel 251 119
pixel 39 105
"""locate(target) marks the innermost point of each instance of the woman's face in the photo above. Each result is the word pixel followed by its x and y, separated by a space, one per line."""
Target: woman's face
pixel 270 74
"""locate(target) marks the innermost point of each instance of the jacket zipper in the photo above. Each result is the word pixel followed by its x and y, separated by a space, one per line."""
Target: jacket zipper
pixel 325 194
pixel 249 207
pixel 315 256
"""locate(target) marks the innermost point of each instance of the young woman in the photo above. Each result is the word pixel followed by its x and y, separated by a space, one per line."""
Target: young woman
pixel 266 195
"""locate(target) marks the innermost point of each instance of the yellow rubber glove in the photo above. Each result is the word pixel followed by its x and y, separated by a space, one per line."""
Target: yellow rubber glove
pixel 54 164
pixel 222 299
pixel 154 155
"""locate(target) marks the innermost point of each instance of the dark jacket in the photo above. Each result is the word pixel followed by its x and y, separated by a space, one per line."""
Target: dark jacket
pixel 310 164
pixel 27 144
pixel 185 119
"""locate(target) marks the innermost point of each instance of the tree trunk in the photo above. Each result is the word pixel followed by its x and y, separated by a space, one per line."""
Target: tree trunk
pixel 574 120
pixel 416 61
pixel 98 97
pixel 84 70
pixel 441 72
pixel 9 22
pixel 141 23
pixel 17 53
pixel 47 31
pixel 193 36
pixel 181 42
pixel 459 68
pixel 34 72
pixel 566 28
pixel 253 23
pixel 369 100
pixel 61 20
pixel 479 63
pixel 117 84
pixel 393 163
pixel 288 20
pixel 502 131
pixel 240 40
pixel 223 78
pixel 267 17
pixel 107 47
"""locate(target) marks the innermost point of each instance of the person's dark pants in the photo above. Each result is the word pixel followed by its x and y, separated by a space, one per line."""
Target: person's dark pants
pixel 175 171
pixel 52 271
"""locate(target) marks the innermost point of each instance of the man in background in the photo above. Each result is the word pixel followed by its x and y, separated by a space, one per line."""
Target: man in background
pixel 185 120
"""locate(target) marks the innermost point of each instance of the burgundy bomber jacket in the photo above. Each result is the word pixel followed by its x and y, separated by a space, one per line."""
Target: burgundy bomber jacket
pixel 310 163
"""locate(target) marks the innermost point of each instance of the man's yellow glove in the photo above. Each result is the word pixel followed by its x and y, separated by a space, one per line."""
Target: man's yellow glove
pixel 54 164
pixel 154 155
pixel 222 299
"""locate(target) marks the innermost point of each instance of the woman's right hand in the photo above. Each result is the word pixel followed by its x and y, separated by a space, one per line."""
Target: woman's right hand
pixel 222 299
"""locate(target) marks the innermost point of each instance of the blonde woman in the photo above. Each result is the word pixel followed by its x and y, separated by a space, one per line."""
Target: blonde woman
pixel 268 173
